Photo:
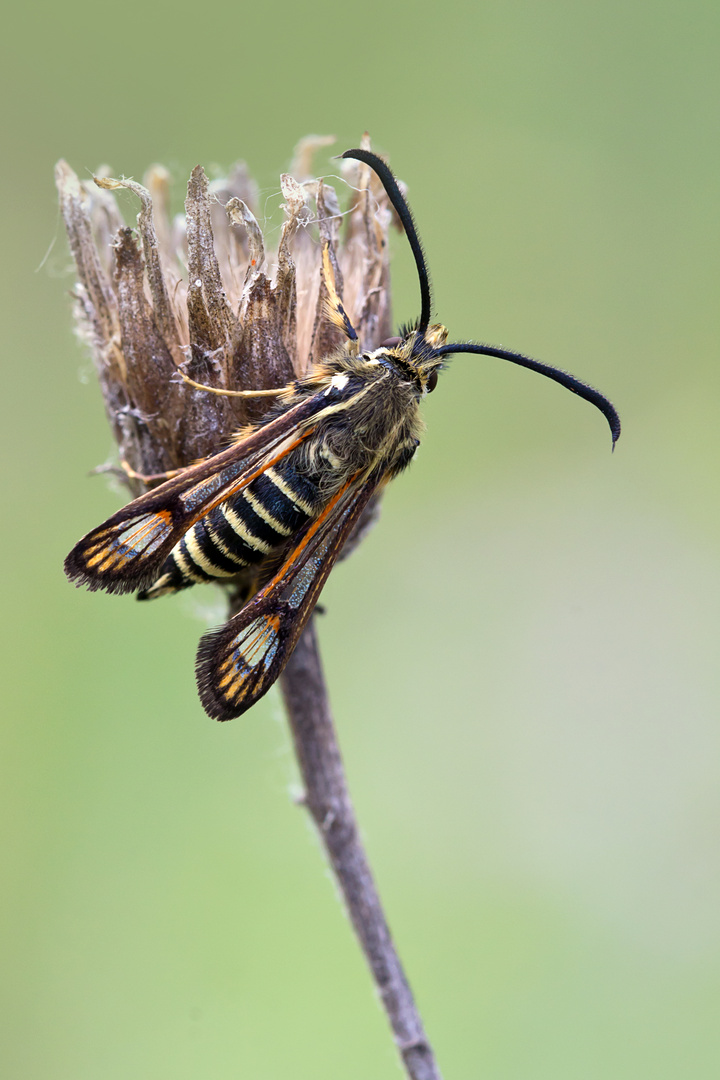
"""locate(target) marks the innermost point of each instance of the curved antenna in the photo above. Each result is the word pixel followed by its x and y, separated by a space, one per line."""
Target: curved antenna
pixel 395 196
pixel 582 389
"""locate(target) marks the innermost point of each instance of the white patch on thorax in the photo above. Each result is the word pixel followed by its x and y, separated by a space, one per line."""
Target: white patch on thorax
pixel 338 382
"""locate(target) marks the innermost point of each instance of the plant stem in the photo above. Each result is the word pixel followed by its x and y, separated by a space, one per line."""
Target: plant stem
pixel 327 799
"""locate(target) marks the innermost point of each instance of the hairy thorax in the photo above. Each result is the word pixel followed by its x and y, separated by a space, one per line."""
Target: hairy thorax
pixel 372 421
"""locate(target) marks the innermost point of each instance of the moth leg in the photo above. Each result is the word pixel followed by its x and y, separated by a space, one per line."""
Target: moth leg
pixel 148 478
pixel 233 393
pixel 124 469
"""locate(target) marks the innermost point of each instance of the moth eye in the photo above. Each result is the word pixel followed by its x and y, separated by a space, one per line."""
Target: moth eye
pixel 431 381
pixel 391 343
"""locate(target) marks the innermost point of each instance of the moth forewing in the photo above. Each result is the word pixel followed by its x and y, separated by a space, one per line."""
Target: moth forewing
pixel 124 553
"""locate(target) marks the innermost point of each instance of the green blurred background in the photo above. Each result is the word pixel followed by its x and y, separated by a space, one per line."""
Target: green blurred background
pixel 522 656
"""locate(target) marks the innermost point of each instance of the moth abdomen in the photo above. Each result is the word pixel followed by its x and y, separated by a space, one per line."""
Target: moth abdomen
pixel 241 532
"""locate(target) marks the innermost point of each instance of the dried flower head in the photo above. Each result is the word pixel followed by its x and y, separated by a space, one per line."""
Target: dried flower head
pixel 204 294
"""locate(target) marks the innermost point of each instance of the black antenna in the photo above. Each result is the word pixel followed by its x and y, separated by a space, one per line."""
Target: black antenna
pixel 569 381
pixel 395 196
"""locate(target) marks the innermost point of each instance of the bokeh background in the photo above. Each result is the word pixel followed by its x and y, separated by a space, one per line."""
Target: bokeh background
pixel 522 656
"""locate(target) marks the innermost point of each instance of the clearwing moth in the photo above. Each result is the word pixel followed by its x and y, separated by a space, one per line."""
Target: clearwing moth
pixel 272 512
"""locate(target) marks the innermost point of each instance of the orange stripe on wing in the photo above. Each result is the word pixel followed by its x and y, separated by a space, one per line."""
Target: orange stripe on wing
pixel 316 525
pixel 226 492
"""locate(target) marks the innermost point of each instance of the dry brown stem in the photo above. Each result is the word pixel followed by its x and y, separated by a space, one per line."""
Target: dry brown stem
pixel 328 800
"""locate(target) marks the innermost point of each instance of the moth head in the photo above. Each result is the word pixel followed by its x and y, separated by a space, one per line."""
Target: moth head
pixel 415 355
pixel 424 355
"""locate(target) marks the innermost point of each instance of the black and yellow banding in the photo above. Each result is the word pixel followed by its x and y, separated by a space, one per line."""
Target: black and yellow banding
pixel 240 532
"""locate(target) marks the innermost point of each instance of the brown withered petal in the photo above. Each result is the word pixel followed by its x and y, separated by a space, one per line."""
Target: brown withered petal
pixel 206 294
